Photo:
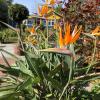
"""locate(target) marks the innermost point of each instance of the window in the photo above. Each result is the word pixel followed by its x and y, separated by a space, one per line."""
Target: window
pixel 52 23
pixel 44 22
pixel 49 23
pixel 30 22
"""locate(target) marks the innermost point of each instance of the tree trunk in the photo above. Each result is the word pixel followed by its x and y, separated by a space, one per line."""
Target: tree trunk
pixel 20 40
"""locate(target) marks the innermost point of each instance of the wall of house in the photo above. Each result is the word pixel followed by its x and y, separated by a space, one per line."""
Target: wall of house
pixel 41 21
pixel 28 22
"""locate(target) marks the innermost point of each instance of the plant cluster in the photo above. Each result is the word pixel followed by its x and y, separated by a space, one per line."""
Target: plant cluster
pixel 46 71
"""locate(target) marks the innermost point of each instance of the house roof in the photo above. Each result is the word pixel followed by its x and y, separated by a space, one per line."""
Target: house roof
pixel 49 16
pixel 52 17
pixel 35 16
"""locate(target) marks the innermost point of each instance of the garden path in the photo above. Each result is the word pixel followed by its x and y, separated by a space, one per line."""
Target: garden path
pixel 11 48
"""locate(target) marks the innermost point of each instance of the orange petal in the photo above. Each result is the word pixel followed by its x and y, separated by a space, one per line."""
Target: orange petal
pixel 96 34
pixel 96 30
pixel 44 9
pixel 52 2
pixel 39 10
pixel 77 34
pixel 67 37
pixel 61 44
pixel 33 30
pixel 74 31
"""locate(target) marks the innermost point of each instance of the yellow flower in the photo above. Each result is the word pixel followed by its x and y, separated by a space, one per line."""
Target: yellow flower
pixel 96 31
pixel 68 37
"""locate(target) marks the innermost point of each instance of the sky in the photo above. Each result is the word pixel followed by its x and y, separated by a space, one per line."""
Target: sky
pixel 30 4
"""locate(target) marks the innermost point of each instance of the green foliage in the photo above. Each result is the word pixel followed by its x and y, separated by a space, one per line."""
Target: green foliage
pixel 58 8
pixel 18 12
pixel 3 11
pixel 7 36
pixel 45 74
pixel 96 88
pixel 9 2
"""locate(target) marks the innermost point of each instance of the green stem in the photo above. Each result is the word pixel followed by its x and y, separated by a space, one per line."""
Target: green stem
pixel 47 34
pixel 70 76
pixel 56 28
pixel 20 37
pixel 93 56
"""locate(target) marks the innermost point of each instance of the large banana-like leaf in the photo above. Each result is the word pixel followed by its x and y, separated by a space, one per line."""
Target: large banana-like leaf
pixel 4 58
pixel 4 93
pixel 57 50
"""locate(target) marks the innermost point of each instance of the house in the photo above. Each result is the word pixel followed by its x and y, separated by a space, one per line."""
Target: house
pixel 33 19
pixel 49 19
pixel 52 19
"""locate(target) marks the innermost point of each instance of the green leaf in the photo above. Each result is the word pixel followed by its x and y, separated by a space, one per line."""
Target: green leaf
pixel 12 55
pixel 31 65
pixel 9 26
pixel 24 69
pixel 89 35
pixel 5 60
pixel 48 95
pixel 55 70
pixel 3 67
pixel 7 87
pixel 4 93
pixel 36 80
pixel 34 98
pixel 55 84
pixel 25 84
pixel 9 70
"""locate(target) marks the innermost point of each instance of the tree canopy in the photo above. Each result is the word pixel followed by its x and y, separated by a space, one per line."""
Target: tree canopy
pixel 9 2
pixel 3 10
pixel 18 12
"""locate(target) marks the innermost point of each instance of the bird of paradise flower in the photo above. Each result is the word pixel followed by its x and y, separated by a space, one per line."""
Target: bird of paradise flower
pixel 65 40
pixel 96 31
pixel 45 8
